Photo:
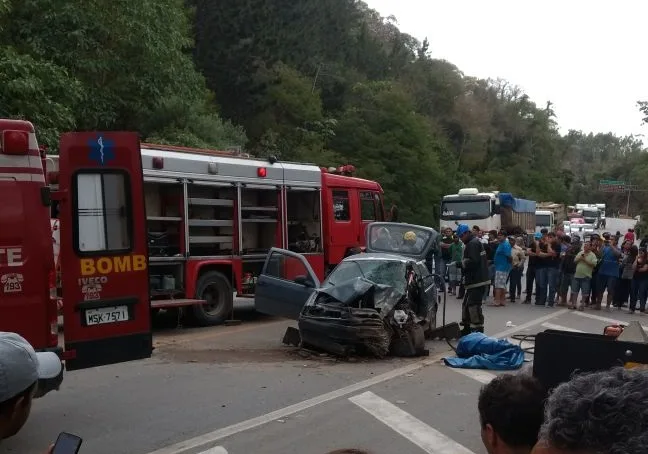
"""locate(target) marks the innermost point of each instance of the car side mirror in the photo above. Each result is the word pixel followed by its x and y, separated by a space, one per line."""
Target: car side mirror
pixel 304 280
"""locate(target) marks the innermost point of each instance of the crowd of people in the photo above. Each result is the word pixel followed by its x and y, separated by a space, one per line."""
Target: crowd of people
pixel 560 269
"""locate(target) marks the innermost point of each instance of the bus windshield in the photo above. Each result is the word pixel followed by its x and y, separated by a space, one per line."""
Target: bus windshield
pixel 590 213
pixel 465 209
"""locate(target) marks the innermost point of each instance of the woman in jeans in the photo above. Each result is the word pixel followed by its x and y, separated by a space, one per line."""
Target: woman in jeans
pixel 639 289
pixel 585 261
pixel 627 273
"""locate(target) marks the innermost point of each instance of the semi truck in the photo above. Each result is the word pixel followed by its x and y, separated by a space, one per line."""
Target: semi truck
pixel 544 220
pixel 488 210
pixel 559 211
pixel 591 214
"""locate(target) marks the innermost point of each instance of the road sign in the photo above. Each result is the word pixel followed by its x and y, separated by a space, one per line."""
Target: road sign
pixel 612 186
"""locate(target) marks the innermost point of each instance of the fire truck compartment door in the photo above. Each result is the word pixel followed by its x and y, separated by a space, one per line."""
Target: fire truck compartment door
pixel 285 284
pixel 104 251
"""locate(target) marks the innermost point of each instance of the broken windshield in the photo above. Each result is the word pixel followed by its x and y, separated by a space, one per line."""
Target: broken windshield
pixel 385 272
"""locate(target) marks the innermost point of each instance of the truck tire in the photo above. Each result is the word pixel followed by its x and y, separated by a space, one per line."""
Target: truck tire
pixel 217 290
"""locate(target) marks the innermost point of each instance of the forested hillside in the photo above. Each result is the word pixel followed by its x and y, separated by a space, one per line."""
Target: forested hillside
pixel 325 81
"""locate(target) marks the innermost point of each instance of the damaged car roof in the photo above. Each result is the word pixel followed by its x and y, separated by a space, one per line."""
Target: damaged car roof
pixel 379 256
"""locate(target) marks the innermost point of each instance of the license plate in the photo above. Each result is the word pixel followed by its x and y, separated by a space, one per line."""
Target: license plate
pixel 106 315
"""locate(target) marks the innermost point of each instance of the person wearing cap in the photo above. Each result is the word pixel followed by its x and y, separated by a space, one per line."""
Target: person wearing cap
pixel 630 236
pixel 476 279
pixel 21 369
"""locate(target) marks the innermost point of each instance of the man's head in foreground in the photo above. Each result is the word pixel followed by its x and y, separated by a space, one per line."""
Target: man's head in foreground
pixel 598 413
pixel 511 411
pixel 20 369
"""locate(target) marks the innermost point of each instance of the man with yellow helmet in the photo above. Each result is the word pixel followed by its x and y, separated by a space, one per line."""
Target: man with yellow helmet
pixel 412 243
pixel 409 237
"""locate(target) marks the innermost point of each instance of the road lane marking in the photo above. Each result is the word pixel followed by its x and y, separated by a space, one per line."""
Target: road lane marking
pixel 531 323
pixel 224 432
pixel 215 450
pixel 425 437
pixel 252 423
pixel 605 319
pixel 561 328
pixel 479 375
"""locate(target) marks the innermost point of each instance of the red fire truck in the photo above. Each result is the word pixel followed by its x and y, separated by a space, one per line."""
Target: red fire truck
pixel 146 227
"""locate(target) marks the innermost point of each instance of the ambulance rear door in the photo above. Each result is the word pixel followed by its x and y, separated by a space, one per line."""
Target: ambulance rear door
pixel 104 253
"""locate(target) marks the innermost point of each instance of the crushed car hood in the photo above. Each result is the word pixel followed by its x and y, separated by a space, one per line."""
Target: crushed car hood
pixel 354 317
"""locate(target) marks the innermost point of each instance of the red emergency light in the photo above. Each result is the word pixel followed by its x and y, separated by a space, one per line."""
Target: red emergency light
pixel 15 142
pixel 262 172
pixel 158 162
pixel 346 170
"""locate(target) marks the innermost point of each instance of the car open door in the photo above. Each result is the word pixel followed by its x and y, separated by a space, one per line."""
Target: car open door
pixel 104 252
pixel 286 282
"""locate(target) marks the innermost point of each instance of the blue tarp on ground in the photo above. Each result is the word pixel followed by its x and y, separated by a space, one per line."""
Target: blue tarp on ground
pixel 517 205
pixel 478 351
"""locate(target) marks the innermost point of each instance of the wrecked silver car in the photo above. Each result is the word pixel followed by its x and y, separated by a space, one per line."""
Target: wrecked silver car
pixel 376 303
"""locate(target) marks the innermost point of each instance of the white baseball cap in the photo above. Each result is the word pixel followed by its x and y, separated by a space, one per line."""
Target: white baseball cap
pixel 21 366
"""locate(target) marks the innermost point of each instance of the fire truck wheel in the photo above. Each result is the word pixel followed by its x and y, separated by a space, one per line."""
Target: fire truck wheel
pixel 217 290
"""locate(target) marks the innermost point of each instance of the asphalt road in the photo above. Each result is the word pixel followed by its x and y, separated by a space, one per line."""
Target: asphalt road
pixel 238 389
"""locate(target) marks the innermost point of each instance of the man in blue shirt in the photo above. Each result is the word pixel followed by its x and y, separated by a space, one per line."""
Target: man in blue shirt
pixel 608 273
pixel 502 268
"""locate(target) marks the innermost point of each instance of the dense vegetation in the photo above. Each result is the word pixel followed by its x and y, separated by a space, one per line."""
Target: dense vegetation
pixel 325 81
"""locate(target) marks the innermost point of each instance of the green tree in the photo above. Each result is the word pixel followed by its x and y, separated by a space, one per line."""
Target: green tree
pixel 130 59
pixel 38 91
pixel 389 142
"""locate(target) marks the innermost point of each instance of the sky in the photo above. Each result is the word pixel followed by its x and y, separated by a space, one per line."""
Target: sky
pixel 587 57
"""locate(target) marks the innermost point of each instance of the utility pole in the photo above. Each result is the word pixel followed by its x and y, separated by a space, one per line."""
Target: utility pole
pixel 628 201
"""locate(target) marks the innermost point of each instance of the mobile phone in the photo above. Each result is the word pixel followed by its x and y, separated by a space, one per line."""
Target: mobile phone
pixel 67 444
